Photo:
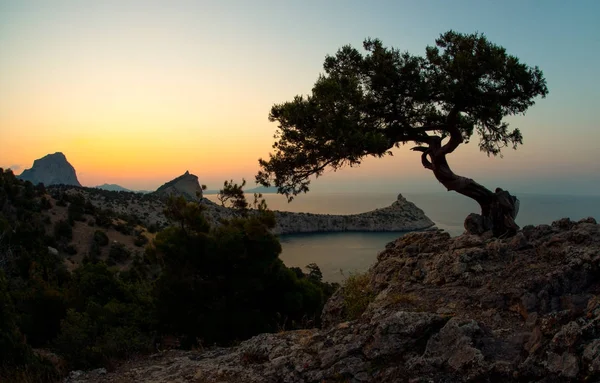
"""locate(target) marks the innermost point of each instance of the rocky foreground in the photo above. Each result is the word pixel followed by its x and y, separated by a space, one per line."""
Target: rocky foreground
pixel 463 309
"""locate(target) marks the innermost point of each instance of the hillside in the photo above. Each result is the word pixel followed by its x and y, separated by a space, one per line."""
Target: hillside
pixel 148 209
pixel 432 309
pixel 83 286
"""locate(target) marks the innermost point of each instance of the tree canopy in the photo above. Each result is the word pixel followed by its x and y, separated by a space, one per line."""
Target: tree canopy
pixel 368 102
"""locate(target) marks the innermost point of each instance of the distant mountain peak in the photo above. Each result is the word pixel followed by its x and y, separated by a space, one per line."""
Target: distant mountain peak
pixel 185 185
pixel 112 187
pixel 52 169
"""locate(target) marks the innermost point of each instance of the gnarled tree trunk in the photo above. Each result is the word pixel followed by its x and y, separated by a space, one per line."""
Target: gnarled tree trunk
pixel 498 209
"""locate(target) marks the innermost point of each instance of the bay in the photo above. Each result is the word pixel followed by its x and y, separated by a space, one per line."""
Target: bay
pixel 340 254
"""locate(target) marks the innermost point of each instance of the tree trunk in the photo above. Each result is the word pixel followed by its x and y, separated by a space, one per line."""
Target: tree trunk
pixel 498 209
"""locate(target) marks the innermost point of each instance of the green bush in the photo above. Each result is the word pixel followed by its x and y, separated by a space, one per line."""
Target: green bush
pixel 233 275
pixel 357 295
pixel 123 228
pixel 140 240
pixel 17 360
pixel 100 238
pixel 109 318
pixel 63 231
pixel 118 253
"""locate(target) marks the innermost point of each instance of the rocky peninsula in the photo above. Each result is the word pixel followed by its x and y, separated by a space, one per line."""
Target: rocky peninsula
pixel 401 215
pixel 440 309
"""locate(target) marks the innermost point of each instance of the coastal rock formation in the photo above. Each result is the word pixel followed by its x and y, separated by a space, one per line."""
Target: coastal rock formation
pixel 402 215
pixel 442 309
pixel 52 169
pixel 186 185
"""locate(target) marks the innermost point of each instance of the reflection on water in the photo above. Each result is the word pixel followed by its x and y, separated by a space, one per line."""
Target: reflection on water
pixel 337 254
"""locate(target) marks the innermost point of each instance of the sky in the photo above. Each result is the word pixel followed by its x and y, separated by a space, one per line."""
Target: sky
pixel 138 92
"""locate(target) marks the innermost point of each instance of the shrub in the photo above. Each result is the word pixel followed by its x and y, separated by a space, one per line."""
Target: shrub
pixel 45 203
pixel 104 218
pixel 62 230
pixel 95 251
pixel 140 240
pixel 109 318
pixel 71 250
pixel 124 229
pixel 118 253
pixel 357 295
pixel 100 238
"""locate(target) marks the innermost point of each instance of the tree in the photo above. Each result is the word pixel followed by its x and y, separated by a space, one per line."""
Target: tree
pixel 365 104
pixel 232 195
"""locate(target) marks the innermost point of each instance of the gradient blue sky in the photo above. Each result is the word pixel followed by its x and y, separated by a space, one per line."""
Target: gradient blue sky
pixel 137 92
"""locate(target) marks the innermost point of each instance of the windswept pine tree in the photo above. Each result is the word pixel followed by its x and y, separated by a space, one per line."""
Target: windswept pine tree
pixel 367 103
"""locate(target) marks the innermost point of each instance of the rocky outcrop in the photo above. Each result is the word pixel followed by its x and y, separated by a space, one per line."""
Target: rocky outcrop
pixel 52 169
pixel 186 185
pixel 463 309
pixel 402 215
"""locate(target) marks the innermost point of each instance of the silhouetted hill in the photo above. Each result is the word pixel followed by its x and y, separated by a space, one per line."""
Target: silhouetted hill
pixel 262 189
pixel 112 187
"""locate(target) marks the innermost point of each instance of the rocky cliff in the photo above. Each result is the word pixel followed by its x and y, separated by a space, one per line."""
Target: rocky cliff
pixel 52 169
pixel 402 215
pixel 442 309
pixel 186 185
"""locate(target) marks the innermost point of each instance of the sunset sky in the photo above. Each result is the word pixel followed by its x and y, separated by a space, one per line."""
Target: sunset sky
pixel 138 92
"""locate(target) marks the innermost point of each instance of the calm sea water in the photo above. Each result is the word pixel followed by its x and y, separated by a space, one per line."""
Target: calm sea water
pixel 339 254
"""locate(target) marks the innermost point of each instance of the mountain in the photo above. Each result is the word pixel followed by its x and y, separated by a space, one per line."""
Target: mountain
pixel 258 189
pixel 262 189
pixel 52 169
pixel 186 185
pixel 112 187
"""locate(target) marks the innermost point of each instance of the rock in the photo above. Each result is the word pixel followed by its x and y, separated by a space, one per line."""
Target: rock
pixel 591 220
pixel 52 250
pixel 591 356
pixel 333 311
pixel 567 364
pixel 52 169
pixel 477 224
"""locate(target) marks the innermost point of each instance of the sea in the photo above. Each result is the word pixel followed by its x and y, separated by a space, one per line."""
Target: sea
pixel 339 255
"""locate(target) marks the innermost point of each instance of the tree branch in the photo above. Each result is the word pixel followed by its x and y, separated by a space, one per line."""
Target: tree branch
pixel 425 161
pixel 455 135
